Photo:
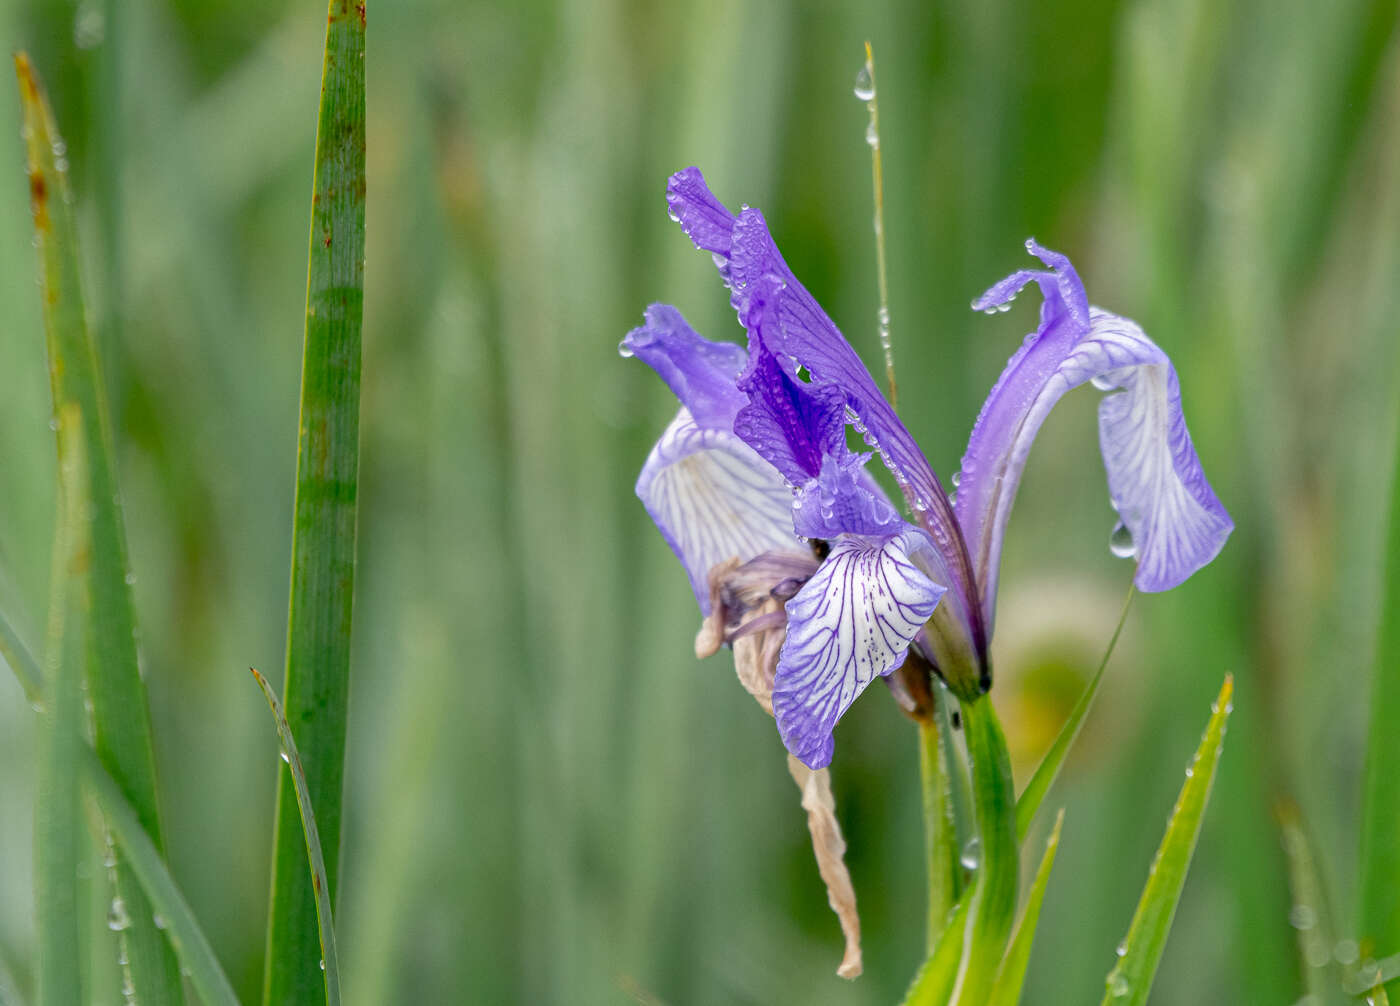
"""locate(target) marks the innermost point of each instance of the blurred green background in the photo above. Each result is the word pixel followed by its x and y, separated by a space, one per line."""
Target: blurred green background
pixel 549 800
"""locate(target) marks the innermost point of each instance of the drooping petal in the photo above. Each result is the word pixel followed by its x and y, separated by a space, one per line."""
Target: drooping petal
pixel 714 499
pixel 851 622
pixel 699 372
pixel 1154 475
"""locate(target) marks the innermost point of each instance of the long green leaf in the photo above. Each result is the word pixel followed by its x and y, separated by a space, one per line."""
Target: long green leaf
pixel 172 911
pixel 323 543
pixel 1378 922
pixel 57 815
pixel 1012 975
pixel 121 718
pixel 1311 914
pixel 1029 803
pixel 962 966
pixel 940 832
pixel 1131 980
pixel 22 662
pixel 993 909
pixel 315 861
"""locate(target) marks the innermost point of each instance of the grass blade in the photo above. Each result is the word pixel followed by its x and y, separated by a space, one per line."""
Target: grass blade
pixel 173 911
pixel 1131 980
pixel 323 543
pixel 1012 976
pixel 22 662
pixel 1378 922
pixel 315 861
pixel 121 719
pixel 57 814
pixel 1033 796
pixel 1311 915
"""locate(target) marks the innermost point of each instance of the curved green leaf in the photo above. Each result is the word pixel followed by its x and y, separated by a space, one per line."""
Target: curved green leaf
pixel 1131 980
pixel 1012 976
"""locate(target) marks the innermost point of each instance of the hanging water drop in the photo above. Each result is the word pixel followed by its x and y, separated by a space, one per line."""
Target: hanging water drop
pixel 957 479
pixel 971 856
pixel 117 919
pixel 1121 543
pixel 872 138
pixel 286 757
pixel 1122 949
pixel 1118 986
pixel 865 84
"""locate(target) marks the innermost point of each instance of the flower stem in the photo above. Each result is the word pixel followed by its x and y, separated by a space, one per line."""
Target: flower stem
pixel 940 837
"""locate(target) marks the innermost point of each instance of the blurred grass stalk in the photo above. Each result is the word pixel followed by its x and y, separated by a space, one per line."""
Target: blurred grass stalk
pixel 1379 899
pixel 316 690
pixel 58 811
pixel 121 718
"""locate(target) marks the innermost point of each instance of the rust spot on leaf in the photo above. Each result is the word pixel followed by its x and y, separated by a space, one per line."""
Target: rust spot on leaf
pixel 327 239
pixel 360 10
pixel 39 200
pixel 316 882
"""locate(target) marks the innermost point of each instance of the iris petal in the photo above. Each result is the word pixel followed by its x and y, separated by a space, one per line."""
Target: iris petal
pixel 854 620
pixel 714 499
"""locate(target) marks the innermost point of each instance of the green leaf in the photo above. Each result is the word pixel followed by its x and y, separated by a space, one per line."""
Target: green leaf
pixel 1131 980
pixel 323 543
pixel 964 963
pixel 172 912
pixel 316 864
pixel 1012 975
pixel 57 814
pixel 121 719
pixel 1033 796
pixel 1311 915
pixel 940 832
pixel 1378 921
pixel 22 662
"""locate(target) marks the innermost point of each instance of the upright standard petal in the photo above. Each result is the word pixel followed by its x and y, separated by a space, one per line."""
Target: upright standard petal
pixel 852 621
pixel 714 499
pixel 1155 478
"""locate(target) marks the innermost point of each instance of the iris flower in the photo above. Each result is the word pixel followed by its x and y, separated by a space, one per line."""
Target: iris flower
pixel 797 556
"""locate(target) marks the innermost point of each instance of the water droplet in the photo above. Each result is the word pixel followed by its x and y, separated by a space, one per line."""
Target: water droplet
pixel 1118 986
pixel 872 138
pixel 159 921
pixel 957 479
pixel 971 856
pixel 110 859
pixel 1302 917
pixel 1103 382
pixel 323 964
pixel 625 350
pixel 1122 949
pixel 1346 951
pixel 285 756
pixel 675 217
pixel 130 579
pixel 117 919
pixel 1121 543
pixel 865 86
pixel 884 317
pixel 53 423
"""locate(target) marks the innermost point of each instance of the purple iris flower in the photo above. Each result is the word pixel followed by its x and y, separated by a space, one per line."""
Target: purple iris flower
pixel 753 482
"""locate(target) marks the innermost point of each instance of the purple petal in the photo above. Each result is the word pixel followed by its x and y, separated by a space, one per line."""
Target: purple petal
pixel 714 499
pixel 852 621
pixel 1154 475
pixel 699 372
pixel 790 423
pixel 844 499
pixel 705 219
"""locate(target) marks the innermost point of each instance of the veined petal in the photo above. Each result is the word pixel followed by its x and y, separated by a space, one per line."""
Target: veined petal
pixel 713 499
pixel 1155 478
pixel 699 372
pixel 1154 474
pixel 852 621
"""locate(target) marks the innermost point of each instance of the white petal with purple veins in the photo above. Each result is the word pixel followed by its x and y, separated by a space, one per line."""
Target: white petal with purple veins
pixel 713 498
pixel 852 621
